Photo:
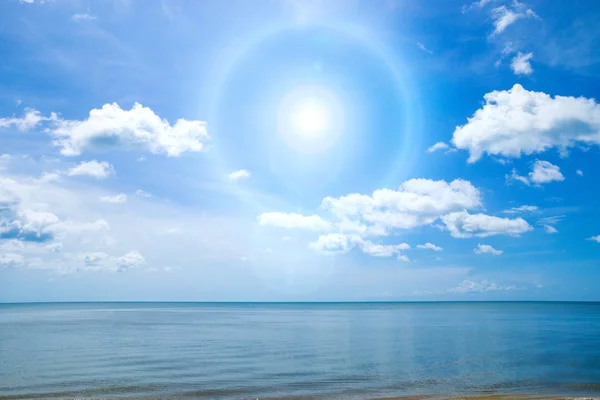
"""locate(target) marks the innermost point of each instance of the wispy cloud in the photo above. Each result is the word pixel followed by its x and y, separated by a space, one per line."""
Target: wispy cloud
pixel 422 47
pixel 521 209
pixel 468 286
pixel 548 223
pixel 82 17
pixel 595 238
pixel 504 16
pixel 240 174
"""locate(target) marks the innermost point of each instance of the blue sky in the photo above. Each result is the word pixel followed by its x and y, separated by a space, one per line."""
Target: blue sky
pixel 299 150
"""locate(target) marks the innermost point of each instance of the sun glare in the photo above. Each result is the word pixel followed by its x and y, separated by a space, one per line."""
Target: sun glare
pixel 310 119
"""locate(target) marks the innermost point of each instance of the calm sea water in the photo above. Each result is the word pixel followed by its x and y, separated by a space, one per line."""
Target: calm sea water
pixel 337 351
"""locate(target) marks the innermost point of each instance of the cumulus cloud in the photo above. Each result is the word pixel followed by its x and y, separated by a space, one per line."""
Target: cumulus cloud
pixel 464 225
pixel 112 127
pixel 519 122
pixel 521 64
pixel 22 222
pixel 542 172
pixel 240 174
pixel 416 202
pixel 595 238
pixel 40 226
pixel 550 229
pixel 294 221
pixel 96 169
pixel 521 209
pixel 438 146
pixel 468 286
pixel 140 127
pixel 579 172
pixel 116 199
pixel 429 246
pixel 486 249
pixel 335 243
pixel 545 172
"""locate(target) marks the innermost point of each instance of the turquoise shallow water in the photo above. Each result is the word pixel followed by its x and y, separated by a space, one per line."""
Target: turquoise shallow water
pixel 337 351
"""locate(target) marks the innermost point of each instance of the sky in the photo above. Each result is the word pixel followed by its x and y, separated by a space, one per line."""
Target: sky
pixel 377 150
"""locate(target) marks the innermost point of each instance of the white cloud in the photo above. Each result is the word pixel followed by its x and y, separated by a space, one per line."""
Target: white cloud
pixel 11 260
pixel 54 247
pixel 29 221
pixel 240 174
pixel 116 199
pixel 40 226
pixel 486 249
pixel 96 169
pixel 521 64
pixel 522 209
pixel 82 17
pixel 142 193
pixel 468 286
pixel 429 246
pixel 545 172
pixel 504 16
pixel 438 146
pixel 30 119
pixel 422 47
pixel 553 220
pixel 476 4
pixel 294 221
pixel 113 127
pixel 595 238
pixel 465 225
pixel 550 229
pixel 380 250
pixel 514 176
pixel 100 261
pixel 334 243
pixel 579 172
pixel 47 177
pixel 131 259
pixel 517 121
pixel 416 202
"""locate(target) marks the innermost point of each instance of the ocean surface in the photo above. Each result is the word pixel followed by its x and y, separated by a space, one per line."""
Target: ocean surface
pixel 329 351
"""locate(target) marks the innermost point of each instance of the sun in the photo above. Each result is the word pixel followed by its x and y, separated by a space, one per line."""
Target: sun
pixel 311 117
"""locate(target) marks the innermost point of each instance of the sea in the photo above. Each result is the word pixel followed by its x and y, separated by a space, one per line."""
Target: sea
pixel 298 350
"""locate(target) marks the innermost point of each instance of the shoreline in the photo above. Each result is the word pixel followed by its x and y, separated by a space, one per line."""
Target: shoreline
pixel 492 397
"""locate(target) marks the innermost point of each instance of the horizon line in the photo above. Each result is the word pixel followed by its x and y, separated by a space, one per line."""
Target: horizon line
pixel 292 302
